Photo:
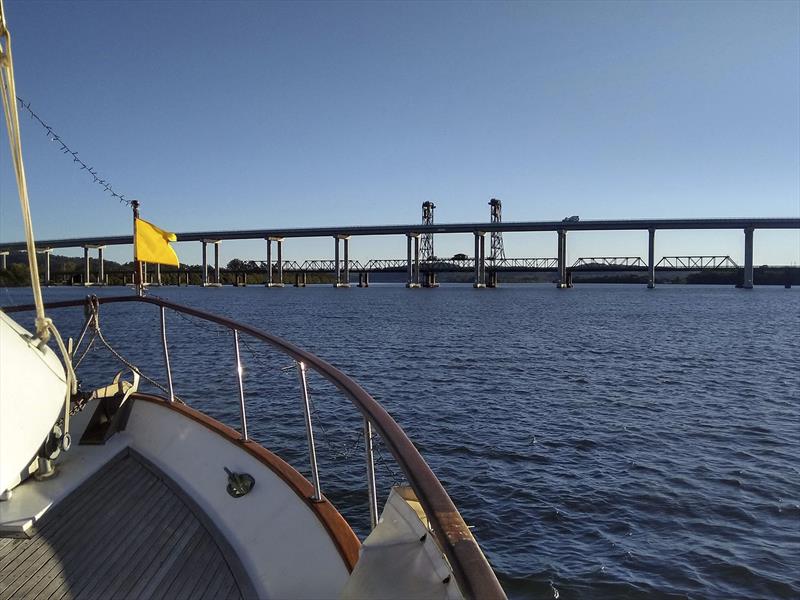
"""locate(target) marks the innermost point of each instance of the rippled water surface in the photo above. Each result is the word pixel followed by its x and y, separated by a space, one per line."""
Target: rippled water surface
pixel 604 441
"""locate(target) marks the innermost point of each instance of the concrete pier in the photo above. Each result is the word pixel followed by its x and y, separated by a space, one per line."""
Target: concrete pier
pixel 429 280
pixel 204 274
pixel 748 259
pixel 363 279
pixel 336 262
pixel 279 245
pixel 101 268
pixel 217 279
pixel 158 274
pixel 491 279
pixel 87 276
pixel 47 252
pixel 346 270
pixel 342 272
pixel 651 259
pixel 269 263
pixel 480 260
pixel 563 280
pixel 412 240
pixel 3 260
pixel 300 279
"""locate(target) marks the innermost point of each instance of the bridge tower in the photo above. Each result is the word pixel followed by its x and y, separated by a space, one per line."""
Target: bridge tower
pixel 496 211
pixel 496 251
pixel 427 238
pixel 428 255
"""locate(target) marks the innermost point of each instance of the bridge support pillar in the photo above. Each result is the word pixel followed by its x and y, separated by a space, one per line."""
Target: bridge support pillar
pixel 342 270
pixel 269 263
pixel 217 275
pixel 412 260
pixel 279 243
pixel 204 274
pixel 270 281
pixel 3 259
pixel 87 276
pixel 101 266
pixel 46 252
pixel 158 274
pixel 337 264
pixel 491 279
pixel 651 259
pixel 363 279
pixel 144 274
pixel 429 279
pixel 346 269
pixel 748 259
pixel 563 281
pixel 217 279
pixel 300 279
pixel 480 260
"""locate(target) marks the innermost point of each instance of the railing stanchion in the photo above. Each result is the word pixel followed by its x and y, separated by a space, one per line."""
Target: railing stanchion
pixel 312 452
pixel 241 385
pixel 166 353
pixel 373 498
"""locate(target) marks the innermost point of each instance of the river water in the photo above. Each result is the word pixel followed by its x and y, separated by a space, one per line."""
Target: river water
pixel 603 441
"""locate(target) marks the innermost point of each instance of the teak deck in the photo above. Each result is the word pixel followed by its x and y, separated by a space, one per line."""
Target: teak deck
pixel 127 532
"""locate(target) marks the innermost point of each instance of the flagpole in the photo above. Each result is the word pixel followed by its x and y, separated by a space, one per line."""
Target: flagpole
pixel 138 276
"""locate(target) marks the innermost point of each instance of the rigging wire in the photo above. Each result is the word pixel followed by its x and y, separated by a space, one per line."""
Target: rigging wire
pixel 65 149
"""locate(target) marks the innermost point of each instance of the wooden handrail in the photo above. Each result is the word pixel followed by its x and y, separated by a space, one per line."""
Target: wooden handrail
pixel 472 572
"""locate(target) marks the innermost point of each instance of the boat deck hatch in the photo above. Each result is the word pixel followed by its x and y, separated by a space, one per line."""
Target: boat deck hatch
pixel 127 532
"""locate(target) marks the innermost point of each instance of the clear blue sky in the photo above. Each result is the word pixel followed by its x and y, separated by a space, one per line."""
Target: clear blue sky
pixel 253 114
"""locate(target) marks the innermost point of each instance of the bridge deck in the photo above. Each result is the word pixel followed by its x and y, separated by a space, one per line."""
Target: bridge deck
pixel 358 230
pixel 125 533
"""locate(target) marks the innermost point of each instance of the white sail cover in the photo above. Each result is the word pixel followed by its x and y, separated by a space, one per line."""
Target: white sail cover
pixel 32 391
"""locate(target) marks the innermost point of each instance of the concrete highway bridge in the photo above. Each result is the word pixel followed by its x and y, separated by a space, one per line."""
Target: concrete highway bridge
pixel 484 268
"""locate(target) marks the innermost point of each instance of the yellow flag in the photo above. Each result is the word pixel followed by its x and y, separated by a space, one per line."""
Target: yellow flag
pixel 151 244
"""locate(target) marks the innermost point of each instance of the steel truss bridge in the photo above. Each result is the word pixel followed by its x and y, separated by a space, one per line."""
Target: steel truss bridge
pixel 465 265
pixel 400 265
pixel 667 263
pixel 505 265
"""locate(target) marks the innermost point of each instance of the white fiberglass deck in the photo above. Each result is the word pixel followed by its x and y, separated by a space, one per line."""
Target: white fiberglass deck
pixel 127 532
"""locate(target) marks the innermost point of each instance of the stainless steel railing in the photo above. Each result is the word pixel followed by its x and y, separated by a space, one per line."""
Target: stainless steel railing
pixel 470 568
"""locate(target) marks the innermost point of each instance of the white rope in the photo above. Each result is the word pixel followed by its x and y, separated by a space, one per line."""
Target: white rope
pixel 9 93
